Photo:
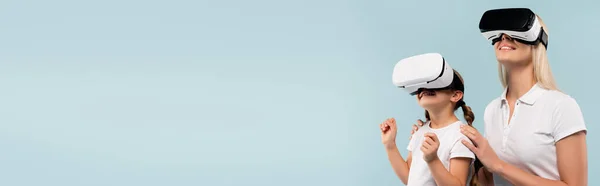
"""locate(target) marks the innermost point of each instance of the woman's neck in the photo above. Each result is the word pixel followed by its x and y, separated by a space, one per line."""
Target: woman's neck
pixel 520 80
pixel 441 118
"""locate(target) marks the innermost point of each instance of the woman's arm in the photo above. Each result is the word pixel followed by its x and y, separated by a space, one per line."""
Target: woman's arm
pixel 400 166
pixel 571 158
pixel 459 171
pixel 572 165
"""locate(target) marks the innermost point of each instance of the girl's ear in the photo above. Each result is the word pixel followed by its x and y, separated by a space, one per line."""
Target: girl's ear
pixel 457 96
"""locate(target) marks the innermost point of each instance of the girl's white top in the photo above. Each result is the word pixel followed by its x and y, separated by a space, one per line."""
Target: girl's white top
pixel 450 147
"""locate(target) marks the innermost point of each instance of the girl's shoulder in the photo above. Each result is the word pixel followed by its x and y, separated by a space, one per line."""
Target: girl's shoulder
pixel 455 130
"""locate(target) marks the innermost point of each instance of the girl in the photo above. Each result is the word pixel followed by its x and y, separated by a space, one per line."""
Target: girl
pixel 436 155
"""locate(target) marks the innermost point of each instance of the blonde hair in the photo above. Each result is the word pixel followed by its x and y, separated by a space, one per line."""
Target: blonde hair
pixel 541 67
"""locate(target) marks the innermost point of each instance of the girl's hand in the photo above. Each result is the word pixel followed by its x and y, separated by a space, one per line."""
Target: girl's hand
pixel 481 148
pixel 388 132
pixel 430 147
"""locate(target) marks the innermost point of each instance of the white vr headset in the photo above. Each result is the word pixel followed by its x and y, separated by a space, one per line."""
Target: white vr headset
pixel 520 24
pixel 425 71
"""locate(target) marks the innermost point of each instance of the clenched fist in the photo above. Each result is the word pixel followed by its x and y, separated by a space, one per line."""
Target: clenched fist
pixel 388 132
pixel 430 147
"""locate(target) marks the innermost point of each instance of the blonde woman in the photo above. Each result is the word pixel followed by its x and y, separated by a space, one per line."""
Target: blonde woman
pixel 534 134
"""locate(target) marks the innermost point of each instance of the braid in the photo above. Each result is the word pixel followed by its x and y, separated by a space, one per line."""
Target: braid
pixel 470 117
pixel 468 113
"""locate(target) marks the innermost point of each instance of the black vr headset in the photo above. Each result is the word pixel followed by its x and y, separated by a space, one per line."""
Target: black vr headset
pixel 520 24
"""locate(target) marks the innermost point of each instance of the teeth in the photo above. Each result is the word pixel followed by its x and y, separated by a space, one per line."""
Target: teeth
pixel 429 93
pixel 505 48
pixel 426 93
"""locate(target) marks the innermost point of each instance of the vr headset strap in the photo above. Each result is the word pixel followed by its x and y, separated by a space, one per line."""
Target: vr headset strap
pixel 543 38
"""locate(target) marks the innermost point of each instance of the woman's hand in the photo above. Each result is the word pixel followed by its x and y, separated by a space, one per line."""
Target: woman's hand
pixel 430 147
pixel 388 132
pixel 415 128
pixel 481 148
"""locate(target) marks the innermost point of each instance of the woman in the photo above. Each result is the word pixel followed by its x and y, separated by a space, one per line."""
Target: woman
pixel 534 134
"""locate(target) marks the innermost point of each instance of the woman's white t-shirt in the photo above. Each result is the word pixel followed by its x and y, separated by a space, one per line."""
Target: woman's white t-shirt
pixel 540 118
pixel 450 147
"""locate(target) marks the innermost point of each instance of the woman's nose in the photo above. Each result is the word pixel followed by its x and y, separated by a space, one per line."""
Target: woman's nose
pixel 505 37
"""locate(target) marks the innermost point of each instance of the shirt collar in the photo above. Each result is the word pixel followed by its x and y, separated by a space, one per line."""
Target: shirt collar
pixel 530 97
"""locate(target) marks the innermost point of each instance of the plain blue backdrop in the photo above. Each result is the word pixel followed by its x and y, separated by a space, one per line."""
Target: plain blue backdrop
pixel 245 93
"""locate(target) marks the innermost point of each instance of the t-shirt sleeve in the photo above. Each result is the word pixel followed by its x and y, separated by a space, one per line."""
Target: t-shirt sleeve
pixel 568 119
pixel 459 150
pixel 411 143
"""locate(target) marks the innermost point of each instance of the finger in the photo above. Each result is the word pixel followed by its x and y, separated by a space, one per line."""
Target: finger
pixel 393 122
pixel 470 146
pixel 469 129
pixel 472 130
pixel 431 142
pixel 434 137
pixel 426 145
pixel 420 122
pixel 431 136
pixel 428 141
pixel 469 134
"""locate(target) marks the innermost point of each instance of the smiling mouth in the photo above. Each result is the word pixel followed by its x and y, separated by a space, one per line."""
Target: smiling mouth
pixel 427 93
pixel 506 48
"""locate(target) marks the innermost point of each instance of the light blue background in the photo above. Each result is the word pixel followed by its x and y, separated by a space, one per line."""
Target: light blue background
pixel 259 93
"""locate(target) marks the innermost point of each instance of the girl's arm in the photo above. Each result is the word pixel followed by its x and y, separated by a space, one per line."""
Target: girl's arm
pixel 400 166
pixel 460 161
pixel 459 171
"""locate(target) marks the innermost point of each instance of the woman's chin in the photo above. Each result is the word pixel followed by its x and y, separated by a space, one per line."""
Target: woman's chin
pixel 510 59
